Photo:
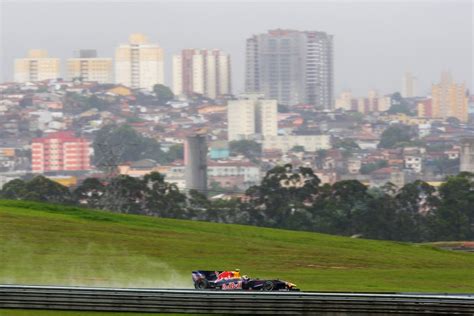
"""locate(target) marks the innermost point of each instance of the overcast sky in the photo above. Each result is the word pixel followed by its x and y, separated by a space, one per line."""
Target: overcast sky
pixel 375 42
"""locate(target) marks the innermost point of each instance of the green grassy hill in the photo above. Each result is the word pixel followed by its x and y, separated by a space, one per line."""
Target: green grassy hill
pixel 49 244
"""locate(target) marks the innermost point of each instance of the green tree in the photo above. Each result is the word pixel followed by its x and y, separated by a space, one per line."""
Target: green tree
pixel 321 155
pixel 43 89
pixel 339 207
pixel 26 101
pixel 375 219
pixel 115 144
pixel 282 191
pixel 216 188
pixel 249 148
pixel 39 188
pixel 197 200
pixel 298 148
pixel 413 201
pixel 90 192
pixel 394 135
pixel 371 167
pixel 124 194
pixel 94 102
pixel 43 189
pixel 283 108
pixel 175 152
pixel 453 219
pixel 14 190
pixel 399 105
pixel 151 195
pixel 76 102
pixel 454 121
pixel 345 144
pixel 445 166
pixel 162 198
pixel 356 116
pixel 163 93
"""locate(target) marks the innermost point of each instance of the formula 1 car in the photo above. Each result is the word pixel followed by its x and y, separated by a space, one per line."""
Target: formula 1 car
pixel 213 280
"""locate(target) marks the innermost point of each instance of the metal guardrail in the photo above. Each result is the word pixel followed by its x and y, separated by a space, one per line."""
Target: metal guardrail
pixel 232 302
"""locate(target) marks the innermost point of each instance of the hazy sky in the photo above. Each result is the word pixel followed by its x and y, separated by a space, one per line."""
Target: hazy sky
pixel 375 42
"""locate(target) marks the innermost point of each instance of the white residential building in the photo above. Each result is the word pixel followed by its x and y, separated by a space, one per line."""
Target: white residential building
pixel 287 142
pixel 215 169
pixel 205 72
pixel 252 117
pixel 36 67
pixel 139 64
pixel 89 67
pixel 249 171
pixel 372 103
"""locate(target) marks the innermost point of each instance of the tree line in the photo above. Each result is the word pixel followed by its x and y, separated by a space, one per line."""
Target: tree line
pixel 287 197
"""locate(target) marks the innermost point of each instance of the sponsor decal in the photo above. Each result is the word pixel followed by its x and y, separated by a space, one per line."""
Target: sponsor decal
pixel 232 285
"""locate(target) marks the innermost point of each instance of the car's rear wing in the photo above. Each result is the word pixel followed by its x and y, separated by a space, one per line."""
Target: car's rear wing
pixel 203 274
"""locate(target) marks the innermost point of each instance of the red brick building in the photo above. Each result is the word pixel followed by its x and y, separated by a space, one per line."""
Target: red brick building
pixel 425 108
pixel 60 151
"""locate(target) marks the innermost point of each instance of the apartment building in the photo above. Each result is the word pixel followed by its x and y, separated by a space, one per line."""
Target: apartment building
pixel 408 85
pixel 139 64
pixel 424 108
pixel 449 99
pixel 252 117
pixel 89 67
pixel 372 103
pixel 60 151
pixel 205 72
pixel 285 143
pixel 228 172
pixel 37 66
pixel 292 67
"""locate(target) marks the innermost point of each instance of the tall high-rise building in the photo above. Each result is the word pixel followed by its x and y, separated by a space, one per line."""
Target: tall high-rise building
pixel 60 151
pixel 251 116
pixel 449 99
pixel 195 160
pixel 292 67
pixel 89 67
pixel 205 72
pixel 139 64
pixel 467 155
pixel 36 67
pixel 408 85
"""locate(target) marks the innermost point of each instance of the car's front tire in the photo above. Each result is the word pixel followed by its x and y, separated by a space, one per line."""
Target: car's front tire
pixel 268 286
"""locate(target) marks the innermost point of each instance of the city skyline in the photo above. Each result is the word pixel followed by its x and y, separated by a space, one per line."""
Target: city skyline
pixel 330 142
pixel 357 71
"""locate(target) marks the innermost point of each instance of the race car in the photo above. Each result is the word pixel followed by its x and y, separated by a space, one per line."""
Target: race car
pixel 231 280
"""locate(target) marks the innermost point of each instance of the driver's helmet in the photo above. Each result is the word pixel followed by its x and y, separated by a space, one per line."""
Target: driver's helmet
pixel 245 277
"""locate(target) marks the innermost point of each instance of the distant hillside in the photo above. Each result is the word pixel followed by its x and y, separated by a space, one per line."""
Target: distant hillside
pixel 50 244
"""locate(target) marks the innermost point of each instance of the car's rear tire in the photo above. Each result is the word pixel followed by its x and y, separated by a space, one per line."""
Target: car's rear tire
pixel 268 286
pixel 201 284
